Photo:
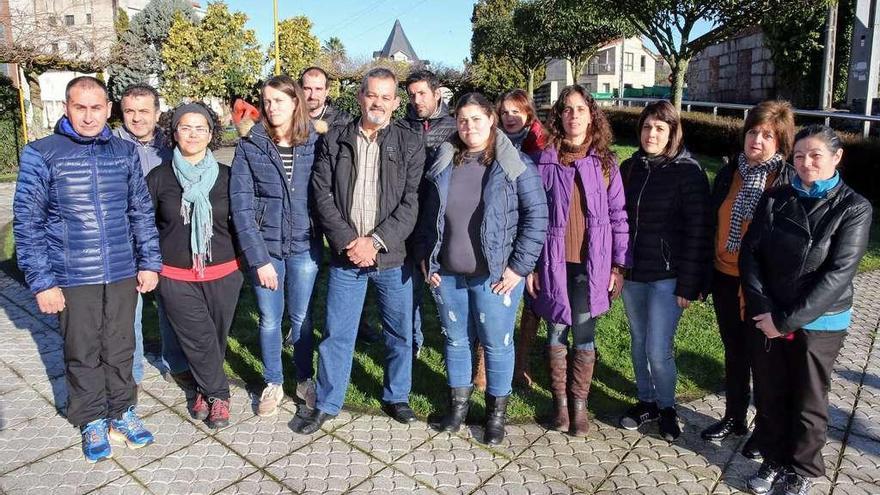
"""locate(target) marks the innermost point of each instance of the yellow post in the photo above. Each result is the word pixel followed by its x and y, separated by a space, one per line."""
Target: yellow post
pixel 277 57
pixel 24 131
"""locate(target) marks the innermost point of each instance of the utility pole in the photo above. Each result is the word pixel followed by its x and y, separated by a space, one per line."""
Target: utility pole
pixel 865 58
pixel 827 93
pixel 622 61
pixel 277 57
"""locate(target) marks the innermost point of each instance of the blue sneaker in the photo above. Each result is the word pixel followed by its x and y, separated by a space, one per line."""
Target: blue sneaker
pixel 95 444
pixel 131 430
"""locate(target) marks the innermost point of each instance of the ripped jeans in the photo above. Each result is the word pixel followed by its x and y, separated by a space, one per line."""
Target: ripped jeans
pixel 468 311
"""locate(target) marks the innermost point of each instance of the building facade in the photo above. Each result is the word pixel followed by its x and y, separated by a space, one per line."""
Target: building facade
pixel 739 70
pixel 601 74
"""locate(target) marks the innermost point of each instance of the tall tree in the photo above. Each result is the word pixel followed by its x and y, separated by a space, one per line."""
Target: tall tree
pixel 577 30
pixel 505 30
pixel 298 47
pixel 670 24
pixel 218 57
pixel 139 43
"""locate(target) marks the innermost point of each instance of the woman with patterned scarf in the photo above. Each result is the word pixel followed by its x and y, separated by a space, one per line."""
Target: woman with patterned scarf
pixel 200 279
pixel 768 135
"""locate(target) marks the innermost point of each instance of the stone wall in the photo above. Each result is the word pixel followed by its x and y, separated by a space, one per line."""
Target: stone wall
pixel 736 71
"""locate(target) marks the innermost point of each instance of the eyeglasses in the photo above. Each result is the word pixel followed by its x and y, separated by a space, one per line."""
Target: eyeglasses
pixel 198 131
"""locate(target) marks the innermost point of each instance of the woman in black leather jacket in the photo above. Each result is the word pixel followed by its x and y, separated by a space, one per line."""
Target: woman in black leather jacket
pixel 798 261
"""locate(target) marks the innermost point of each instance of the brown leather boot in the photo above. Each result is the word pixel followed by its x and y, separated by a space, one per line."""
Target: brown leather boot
pixel 528 328
pixel 558 366
pixel 582 364
pixel 479 368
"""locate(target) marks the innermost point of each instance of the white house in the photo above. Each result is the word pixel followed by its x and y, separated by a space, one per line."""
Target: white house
pixel 602 73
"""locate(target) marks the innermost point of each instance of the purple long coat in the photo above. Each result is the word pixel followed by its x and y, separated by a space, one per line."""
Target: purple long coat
pixel 607 234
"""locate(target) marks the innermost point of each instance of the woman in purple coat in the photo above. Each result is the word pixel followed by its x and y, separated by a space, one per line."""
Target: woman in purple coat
pixel 581 265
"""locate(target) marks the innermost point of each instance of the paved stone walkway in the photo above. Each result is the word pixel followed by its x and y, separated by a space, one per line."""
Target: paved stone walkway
pixel 40 452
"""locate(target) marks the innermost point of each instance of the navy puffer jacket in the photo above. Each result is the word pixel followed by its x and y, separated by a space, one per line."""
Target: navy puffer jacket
pixel 260 196
pixel 82 212
pixel 514 224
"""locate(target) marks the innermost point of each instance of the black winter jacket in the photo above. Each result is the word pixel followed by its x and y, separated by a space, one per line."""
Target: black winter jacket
pixel 800 255
pixel 401 163
pixel 438 131
pixel 667 204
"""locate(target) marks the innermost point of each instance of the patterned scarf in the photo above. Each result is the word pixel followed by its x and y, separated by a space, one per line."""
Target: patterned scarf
pixel 754 179
pixel 195 205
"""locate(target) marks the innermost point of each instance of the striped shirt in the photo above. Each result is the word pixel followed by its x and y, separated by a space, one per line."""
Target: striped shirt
pixel 365 204
pixel 286 153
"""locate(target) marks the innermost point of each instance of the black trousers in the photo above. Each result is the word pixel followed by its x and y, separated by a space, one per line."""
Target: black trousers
pixel 201 314
pixel 792 379
pixel 734 336
pixel 97 325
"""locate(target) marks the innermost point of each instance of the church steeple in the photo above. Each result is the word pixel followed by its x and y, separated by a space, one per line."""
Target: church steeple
pixel 397 47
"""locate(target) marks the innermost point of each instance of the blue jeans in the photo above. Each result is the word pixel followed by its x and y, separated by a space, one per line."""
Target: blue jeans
pixel 346 290
pixel 468 311
pixel 296 280
pixel 172 356
pixel 653 314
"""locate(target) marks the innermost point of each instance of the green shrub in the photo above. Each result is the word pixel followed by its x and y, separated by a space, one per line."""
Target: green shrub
pixel 10 128
pixel 722 137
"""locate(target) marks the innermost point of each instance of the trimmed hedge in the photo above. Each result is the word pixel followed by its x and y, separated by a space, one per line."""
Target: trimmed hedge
pixel 722 136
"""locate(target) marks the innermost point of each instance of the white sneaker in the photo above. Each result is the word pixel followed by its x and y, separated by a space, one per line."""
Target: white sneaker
pixel 305 390
pixel 272 396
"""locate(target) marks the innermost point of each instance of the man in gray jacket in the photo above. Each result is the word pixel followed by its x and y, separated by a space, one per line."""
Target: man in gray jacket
pixel 140 114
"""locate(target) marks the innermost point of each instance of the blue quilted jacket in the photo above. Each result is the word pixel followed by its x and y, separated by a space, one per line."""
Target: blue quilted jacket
pixel 82 212
pixel 265 211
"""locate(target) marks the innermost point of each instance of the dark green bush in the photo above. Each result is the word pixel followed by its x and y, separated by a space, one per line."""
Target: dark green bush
pixel 10 127
pixel 722 137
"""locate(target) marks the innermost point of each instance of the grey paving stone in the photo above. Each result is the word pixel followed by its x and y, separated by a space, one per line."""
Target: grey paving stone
pixel 62 472
pixel 172 433
pixel 126 485
pixel 164 392
pixel 451 464
pixel 581 463
pixel 264 440
pixel 516 439
pixel 327 465
pixel 518 479
pixel 861 462
pixel 382 437
pixel 33 368
pixel 390 480
pixel 257 483
pixel 9 380
pixel 203 467
pixel 21 405
pixel 54 390
pixel 33 439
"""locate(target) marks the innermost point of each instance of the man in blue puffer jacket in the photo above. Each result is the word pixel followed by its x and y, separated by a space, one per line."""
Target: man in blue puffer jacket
pixel 87 243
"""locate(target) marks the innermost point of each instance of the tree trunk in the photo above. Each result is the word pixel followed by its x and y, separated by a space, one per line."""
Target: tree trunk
pixel 531 82
pixel 679 68
pixel 36 123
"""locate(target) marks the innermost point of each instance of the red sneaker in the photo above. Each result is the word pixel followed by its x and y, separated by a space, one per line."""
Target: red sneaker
pixel 219 417
pixel 200 408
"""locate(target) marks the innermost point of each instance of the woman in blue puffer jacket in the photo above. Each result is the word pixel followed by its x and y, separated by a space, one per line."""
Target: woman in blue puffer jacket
pixel 482 226
pixel 269 191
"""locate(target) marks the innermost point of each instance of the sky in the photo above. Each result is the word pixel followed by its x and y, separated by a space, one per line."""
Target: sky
pixel 439 30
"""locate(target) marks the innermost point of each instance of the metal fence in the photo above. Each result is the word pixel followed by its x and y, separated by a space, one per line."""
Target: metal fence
pixel 687 105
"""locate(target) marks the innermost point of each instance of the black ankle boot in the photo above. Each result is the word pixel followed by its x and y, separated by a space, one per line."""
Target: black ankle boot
pixel 496 418
pixel 459 403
